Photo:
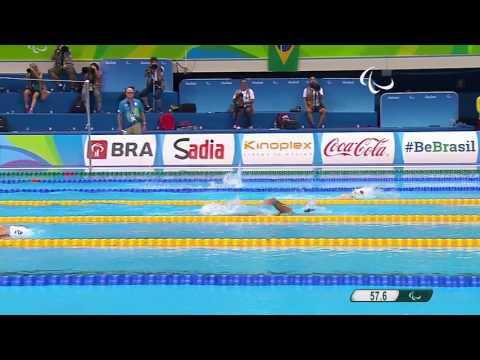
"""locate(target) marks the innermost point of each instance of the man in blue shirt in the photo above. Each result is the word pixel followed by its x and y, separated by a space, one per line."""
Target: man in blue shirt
pixel 131 110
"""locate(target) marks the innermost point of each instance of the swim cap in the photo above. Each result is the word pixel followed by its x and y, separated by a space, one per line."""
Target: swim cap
pixel 19 231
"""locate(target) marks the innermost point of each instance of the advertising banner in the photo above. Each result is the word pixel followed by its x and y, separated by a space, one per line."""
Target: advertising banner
pixel 198 149
pixel 38 151
pixel 446 147
pixel 277 149
pixel 121 150
pixel 358 148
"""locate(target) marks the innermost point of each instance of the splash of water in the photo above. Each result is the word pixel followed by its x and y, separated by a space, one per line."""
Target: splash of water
pixel 230 180
pixel 372 192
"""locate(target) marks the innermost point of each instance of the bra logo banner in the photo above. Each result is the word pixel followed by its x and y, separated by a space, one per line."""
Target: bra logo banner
pixel 372 85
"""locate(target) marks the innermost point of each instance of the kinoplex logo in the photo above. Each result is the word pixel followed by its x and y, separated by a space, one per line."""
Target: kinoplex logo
pixel 185 149
pixel 98 149
pixel 295 149
pixel 274 145
pixel 367 147
pixel 439 147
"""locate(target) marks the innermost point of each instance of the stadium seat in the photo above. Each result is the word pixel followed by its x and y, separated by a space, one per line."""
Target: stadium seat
pixel 419 109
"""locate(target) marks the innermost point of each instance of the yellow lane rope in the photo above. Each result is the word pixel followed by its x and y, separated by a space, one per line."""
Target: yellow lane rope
pixel 245 219
pixel 244 243
pixel 243 202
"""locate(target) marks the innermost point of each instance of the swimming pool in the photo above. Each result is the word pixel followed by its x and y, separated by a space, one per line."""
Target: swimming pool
pixel 202 242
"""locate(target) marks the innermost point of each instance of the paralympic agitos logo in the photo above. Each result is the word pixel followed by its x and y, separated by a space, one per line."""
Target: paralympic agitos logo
pixel 206 150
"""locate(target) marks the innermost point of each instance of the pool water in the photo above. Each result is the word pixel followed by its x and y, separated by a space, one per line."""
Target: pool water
pixel 225 194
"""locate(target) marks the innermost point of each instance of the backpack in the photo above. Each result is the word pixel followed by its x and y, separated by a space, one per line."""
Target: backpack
pixel 78 105
pixel 166 122
pixel 283 121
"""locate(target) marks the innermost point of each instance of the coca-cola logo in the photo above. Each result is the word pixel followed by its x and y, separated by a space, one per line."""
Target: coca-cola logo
pixel 368 147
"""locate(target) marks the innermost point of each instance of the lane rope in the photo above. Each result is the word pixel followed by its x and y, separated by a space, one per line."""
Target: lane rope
pixel 52 173
pixel 220 189
pixel 433 219
pixel 239 280
pixel 242 202
pixel 244 243
pixel 244 179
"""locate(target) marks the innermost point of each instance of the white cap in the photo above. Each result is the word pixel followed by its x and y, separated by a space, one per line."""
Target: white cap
pixel 19 231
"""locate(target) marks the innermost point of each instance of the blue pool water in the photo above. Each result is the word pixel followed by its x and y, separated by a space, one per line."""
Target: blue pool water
pixel 219 299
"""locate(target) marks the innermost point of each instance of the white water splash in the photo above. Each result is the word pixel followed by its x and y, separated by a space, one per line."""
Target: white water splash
pixel 230 180
pixel 372 192
pixel 233 207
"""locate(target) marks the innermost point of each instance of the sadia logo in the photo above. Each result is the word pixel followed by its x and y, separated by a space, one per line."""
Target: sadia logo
pixel 198 149
pixel 98 149
pixel 207 150
pixel 372 85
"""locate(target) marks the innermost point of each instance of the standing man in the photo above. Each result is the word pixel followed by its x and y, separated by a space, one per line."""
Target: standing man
pixel 313 101
pixel 243 103
pixel 154 75
pixel 131 111
pixel 63 64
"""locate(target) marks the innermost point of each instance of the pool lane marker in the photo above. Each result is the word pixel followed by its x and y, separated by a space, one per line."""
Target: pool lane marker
pixel 242 202
pixel 244 219
pixel 112 279
pixel 232 243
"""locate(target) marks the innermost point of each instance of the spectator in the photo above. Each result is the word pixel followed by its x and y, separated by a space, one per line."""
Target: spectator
pixel 313 101
pixel 35 88
pixel 131 111
pixel 94 75
pixel 97 89
pixel 243 104
pixel 63 64
pixel 154 75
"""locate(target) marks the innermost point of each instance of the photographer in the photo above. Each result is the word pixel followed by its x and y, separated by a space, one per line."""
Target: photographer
pixel 35 88
pixel 313 101
pixel 63 64
pixel 155 83
pixel 243 103
pixel 93 74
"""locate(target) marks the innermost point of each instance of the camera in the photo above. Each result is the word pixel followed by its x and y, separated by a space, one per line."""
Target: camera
pixel 29 70
pixel 315 86
pixel 154 66
pixel 64 49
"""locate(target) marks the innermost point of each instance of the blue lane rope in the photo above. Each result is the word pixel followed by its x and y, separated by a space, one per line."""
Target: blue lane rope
pixel 244 179
pixel 273 189
pixel 241 280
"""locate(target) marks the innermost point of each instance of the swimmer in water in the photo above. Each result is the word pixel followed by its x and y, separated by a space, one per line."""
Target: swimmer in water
pixel 14 231
pixel 281 207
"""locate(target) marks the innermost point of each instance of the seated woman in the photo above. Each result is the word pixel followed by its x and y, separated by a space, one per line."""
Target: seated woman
pixel 35 88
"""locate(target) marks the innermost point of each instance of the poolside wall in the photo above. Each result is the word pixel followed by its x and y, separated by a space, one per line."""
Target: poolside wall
pixel 245 149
